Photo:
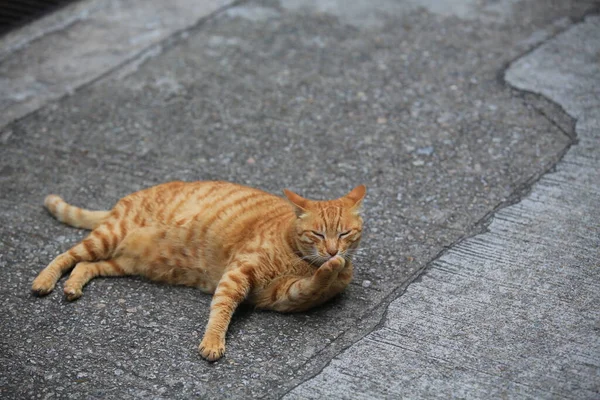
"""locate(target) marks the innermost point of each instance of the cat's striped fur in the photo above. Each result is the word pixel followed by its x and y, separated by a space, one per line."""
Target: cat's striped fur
pixel 240 243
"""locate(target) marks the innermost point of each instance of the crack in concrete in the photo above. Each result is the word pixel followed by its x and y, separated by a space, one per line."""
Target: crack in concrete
pixel 479 227
pixel 378 312
pixel 145 54
pixel 76 13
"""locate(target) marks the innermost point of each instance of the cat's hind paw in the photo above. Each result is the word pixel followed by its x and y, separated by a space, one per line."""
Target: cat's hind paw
pixel 211 349
pixel 41 286
pixel 72 293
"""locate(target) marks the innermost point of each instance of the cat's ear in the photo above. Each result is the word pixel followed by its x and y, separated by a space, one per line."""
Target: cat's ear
pixel 299 202
pixel 357 195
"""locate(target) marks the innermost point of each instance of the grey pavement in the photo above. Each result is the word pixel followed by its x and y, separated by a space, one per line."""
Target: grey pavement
pixel 407 97
pixel 66 50
pixel 513 312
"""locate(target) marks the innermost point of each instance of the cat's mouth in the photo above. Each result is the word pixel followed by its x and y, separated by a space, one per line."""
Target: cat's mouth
pixel 324 258
pixel 318 259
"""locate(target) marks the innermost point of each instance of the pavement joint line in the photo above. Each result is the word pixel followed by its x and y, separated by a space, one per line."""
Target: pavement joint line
pixel 384 304
pixel 573 21
pixel 379 308
pixel 520 92
pixel 167 43
pixel 518 195
pixel 163 44
pixel 572 136
pixel 75 8
pixel 479 227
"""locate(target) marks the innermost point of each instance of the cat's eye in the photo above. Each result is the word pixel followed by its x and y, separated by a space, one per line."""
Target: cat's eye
pixel 319 234
pixel 341 235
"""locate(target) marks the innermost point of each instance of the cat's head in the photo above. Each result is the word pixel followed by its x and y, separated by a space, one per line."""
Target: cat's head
pixel 328 228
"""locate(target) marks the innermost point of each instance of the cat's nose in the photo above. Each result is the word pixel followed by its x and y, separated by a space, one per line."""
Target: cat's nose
pixel 332 252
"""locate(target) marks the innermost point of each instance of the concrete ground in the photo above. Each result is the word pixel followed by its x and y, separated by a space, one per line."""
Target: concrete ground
pixel 474 125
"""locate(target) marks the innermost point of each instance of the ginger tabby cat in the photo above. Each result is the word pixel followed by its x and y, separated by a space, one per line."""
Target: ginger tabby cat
pixel 240 243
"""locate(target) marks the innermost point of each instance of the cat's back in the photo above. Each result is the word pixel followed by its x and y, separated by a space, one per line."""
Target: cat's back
pixel 226 203
pixel 216 217
pixel 211 206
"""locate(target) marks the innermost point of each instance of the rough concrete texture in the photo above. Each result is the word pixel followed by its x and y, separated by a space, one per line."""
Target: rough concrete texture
pixel 272 95
pixel 74 46
pixel 513 312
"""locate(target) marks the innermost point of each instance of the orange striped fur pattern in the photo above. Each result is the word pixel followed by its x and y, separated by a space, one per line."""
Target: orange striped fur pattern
pixel 235 242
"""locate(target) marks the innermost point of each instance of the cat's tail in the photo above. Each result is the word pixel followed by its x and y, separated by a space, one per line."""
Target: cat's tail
pixel 74 216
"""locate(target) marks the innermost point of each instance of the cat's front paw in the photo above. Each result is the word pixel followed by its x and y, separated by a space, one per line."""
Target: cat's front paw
pixel 329 269
pixel 211 349
pixel 334 264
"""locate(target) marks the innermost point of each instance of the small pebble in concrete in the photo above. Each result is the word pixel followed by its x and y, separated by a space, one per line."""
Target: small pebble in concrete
pixel 426 151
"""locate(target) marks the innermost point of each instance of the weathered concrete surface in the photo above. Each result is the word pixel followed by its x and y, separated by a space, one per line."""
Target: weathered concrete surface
pixel 513 312
pixel 272 96
pixel 67 49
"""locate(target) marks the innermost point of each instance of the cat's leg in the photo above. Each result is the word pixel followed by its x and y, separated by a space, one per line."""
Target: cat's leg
pixel 232 289
pixel 86 271
pixel 295 293
pixel 98 245
pixel 134 255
